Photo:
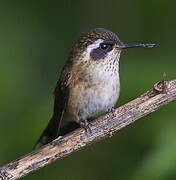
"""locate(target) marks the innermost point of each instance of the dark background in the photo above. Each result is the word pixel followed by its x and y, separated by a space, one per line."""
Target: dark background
pixel 35 39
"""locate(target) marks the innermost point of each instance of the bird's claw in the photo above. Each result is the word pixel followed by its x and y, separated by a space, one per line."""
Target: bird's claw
pixel 86 125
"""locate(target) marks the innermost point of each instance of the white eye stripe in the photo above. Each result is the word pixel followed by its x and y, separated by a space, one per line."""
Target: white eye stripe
pixel 92 46
pixel 95 44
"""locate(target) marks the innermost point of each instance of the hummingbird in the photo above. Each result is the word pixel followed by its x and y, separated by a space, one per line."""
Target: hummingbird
pixel 89 83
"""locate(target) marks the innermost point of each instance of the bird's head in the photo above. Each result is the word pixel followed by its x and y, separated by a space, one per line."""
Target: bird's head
pixel 100 45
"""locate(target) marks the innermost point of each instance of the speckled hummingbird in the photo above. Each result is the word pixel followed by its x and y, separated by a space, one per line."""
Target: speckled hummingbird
pixel 88 84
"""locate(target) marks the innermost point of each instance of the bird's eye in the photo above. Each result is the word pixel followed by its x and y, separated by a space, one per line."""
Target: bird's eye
pixel 106 46
pixel 101 51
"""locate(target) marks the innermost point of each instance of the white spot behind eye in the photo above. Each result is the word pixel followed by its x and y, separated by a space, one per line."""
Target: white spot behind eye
pixel 92 46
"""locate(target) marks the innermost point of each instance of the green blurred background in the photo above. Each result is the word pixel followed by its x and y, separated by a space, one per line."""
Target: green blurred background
pixel 35 39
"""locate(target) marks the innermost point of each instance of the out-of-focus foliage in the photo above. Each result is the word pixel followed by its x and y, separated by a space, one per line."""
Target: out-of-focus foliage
pixel 35 39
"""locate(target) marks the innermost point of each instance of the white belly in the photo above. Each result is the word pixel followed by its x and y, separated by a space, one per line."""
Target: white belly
pixel 103 98
pixel 96 99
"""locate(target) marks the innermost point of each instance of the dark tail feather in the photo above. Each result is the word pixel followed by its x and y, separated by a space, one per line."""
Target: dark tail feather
pixel 52 131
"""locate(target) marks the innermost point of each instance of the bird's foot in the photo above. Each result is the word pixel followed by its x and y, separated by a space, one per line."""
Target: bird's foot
pixel 85 124
pixel 112 111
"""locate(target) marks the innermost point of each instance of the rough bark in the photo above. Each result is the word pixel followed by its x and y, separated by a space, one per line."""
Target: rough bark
pixel 162 93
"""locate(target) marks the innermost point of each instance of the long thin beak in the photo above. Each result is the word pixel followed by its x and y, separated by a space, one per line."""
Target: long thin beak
pixel 125 46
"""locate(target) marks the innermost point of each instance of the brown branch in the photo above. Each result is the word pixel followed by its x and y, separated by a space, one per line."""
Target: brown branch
pixel 105 126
